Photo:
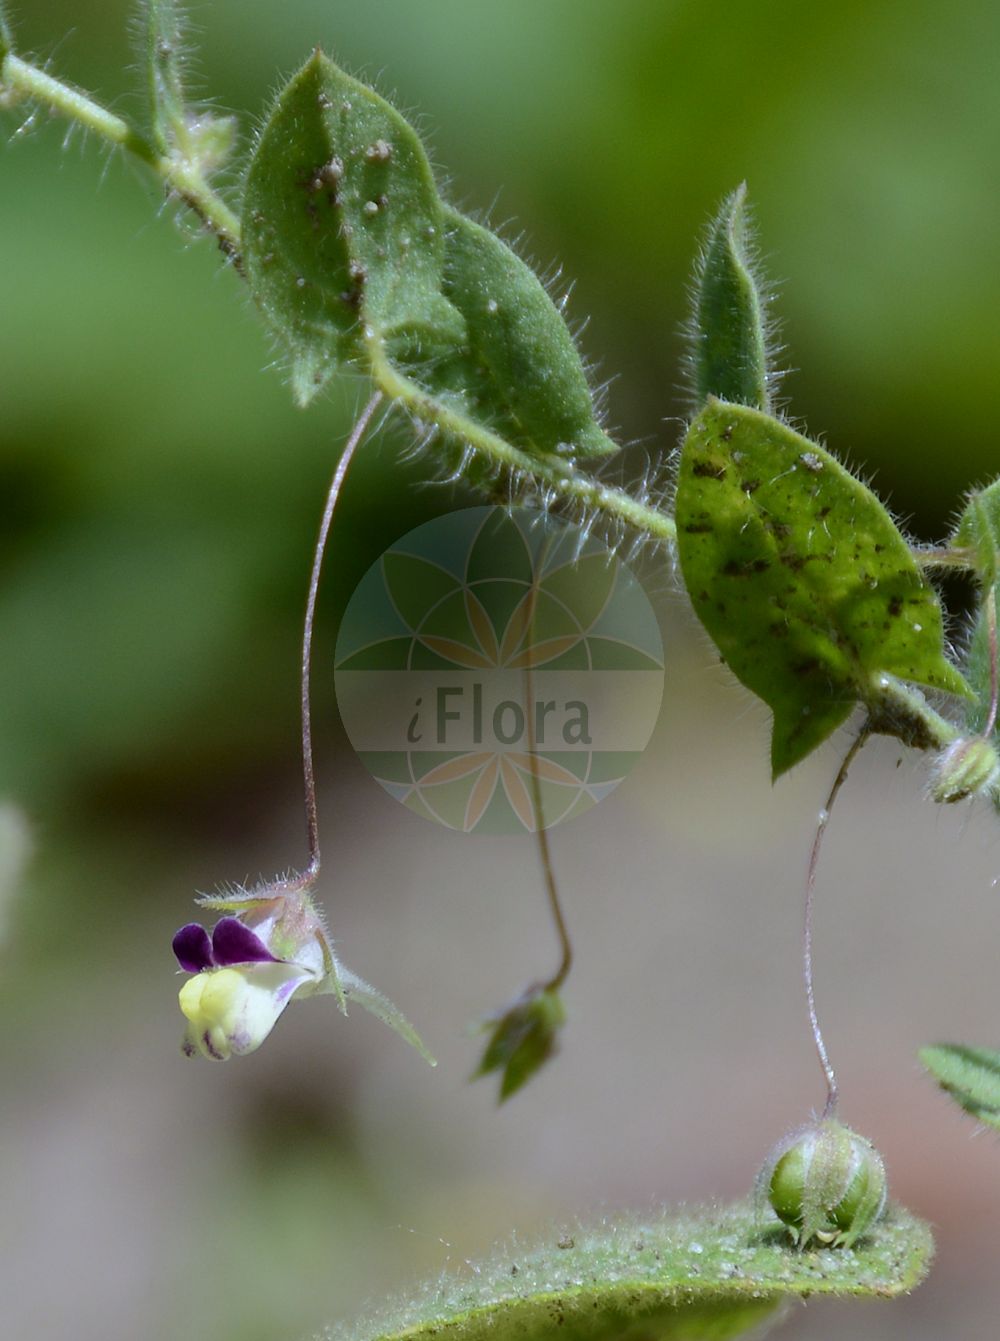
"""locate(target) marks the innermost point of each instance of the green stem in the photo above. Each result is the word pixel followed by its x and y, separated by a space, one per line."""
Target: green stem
pixel 832 1090
pixel 900 710
pixel 541 828
pixel 179 174
pixel 562 476
pixel 946 557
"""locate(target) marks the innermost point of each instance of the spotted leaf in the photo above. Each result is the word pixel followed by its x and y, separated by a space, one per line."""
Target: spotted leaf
pixel 800 576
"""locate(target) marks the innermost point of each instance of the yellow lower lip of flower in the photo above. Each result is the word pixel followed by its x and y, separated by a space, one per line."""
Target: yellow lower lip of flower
pixel 232 1010
pixel 210 1001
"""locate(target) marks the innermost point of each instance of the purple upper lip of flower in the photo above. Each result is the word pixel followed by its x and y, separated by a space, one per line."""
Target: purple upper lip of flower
pixel 231 942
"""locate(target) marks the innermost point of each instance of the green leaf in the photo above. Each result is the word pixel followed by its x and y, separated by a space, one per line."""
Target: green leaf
pixel 728 355
pixel 356 989
pixel 970 1075
pixel 673 1276
pixel 353 257
pixel 518 370
pixel 800 576
pixel 522 1039
pixel 201 140
pixel 977 664
pixel 979 529
pixel 342 218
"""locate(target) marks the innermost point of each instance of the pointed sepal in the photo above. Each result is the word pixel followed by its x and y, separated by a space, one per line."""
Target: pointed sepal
pixel 379 1005
pixel 522 1038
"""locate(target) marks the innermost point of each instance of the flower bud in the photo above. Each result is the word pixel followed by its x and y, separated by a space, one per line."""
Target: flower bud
pixel 969 765
pixel 826 1183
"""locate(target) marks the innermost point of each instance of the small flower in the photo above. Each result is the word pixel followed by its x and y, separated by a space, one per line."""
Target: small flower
pixel 248 969
pixel 270 947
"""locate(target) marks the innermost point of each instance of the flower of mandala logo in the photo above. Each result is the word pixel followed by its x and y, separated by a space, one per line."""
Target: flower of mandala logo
pixel 494 670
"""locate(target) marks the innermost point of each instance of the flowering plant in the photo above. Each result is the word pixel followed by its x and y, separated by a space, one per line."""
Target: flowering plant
pixel 270 947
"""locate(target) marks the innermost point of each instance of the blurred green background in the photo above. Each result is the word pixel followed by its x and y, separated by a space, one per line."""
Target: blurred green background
pixel 158 501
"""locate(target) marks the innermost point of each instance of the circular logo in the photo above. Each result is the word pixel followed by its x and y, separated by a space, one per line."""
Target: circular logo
pixel 497 671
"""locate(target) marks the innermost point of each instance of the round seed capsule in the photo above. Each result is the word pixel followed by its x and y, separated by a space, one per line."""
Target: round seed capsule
pixel 969 765
pixel 827 1184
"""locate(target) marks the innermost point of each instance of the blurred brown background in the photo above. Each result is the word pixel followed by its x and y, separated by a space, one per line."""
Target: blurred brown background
pixel 158 500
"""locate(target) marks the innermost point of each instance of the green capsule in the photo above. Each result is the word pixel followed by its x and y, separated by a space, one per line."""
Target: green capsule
pixel 969 766
pixel 827 1184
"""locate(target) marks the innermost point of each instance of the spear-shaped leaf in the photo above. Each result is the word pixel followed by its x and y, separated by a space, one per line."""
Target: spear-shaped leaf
pixel 728 330
pixel 520 372
pixel 354 258
pixel 800 576
pixel 342 226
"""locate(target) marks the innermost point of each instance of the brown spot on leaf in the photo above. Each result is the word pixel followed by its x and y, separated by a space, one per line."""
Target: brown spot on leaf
pixel 709 470
pixel 736 569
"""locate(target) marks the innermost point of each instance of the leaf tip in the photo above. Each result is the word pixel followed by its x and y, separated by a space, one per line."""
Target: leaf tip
pixel 729 333
pixel 969 1075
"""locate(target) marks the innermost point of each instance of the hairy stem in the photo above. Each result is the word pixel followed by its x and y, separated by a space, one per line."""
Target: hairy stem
pixel 562 477
pixel 180 175
pixel 991 623
pixel 900 710
pixel 832 1092
pixel 946 556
